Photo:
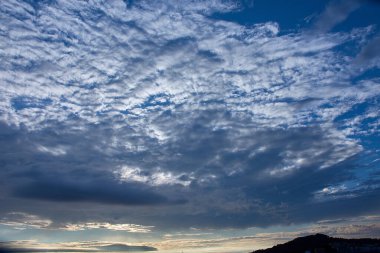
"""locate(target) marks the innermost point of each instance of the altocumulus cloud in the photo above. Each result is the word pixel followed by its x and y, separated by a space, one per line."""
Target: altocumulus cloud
pixel 156 104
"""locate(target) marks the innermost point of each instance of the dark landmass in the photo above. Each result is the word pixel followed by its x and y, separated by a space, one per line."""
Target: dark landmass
pixel 106 248
pixel 320 243
pixel 123 247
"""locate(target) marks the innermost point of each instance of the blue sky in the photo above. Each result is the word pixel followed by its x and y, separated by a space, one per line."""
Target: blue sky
pixel 183 125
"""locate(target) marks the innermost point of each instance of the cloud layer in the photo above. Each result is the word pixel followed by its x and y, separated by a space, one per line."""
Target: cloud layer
pixel 158 115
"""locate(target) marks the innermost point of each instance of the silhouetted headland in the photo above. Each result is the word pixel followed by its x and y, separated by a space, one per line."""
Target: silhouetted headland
pixel 320 243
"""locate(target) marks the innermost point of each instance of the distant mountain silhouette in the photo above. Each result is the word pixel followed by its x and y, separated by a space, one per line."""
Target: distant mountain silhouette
pixel 320 243
pixel 123 247
pixel 102 249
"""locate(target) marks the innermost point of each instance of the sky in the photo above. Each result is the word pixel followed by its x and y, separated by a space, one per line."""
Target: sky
pixel 196 126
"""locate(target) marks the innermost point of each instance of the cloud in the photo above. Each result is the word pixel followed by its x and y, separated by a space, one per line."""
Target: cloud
pixel 56 151
pixel 358 227
pixel 335 12
pixel 133 228
pixel 370 53
pixel 54 185
pixel 122 107
pixel 110 193
pixel 20 220
pixel 156 178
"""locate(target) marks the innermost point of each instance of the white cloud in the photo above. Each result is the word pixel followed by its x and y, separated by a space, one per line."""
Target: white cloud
pixel 98 69
pixel 20 220
pixel 332 150
pixel 133 228
pixel 132 174
pixel 345 190
pixel 156 178
pixel 55 151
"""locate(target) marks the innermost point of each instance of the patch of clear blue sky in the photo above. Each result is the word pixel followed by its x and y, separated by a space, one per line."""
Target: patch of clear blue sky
pixel 366 15
pixel 290 15
pixel 293 15
pixel 23 102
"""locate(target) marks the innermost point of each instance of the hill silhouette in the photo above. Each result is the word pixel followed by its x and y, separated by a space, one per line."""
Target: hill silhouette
pixel 102 249
pixel 320 243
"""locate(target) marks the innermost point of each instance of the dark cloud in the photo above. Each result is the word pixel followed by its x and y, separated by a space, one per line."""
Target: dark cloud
pixel 37 173
pixel 239 179
pixel 242 176
pixel 101 191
